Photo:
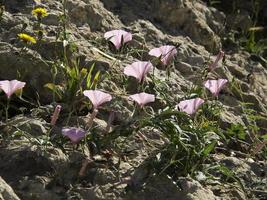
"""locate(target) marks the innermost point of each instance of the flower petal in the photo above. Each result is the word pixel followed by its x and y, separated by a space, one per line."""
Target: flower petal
pixel 74 134
pixel 97 97
pixel 190 106
pixel 9 87
pixel 215 86
pixel 118 37
pixel 165 53
pixel 138 70
pixel 214 65
pixel 142 98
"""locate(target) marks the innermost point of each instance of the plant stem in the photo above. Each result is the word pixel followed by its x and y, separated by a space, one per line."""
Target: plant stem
pixel 91 120
pixel 7 108
pixel 110 120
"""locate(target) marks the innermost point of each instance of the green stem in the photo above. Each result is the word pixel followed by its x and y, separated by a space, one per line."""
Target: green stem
pixel 70 114
pixel 54 74
pixel 7 108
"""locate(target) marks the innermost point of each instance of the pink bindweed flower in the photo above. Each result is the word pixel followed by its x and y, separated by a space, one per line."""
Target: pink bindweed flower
pixel 118 37
pixel 97 97
pixel 215 86
pixel 74 134
pixel 190 106
pixel 220 56
pixel 142 98
pixel 10 87
pixel 55 115
pixel 138 70
pixel 165 53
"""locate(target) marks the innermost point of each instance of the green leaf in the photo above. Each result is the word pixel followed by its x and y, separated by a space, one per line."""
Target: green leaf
pixel 96 78
pixel 238 131
pixel 209 148
pixel 264 137
pixel 227 172
pixel 89 77
pixel 55 88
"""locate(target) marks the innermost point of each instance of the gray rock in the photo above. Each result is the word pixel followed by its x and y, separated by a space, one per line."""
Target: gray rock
pixel 105 176
pixel 29 125
pixel 31 68
pixel 20 159
pixel 227 118
pixel 6 192
pixel 36 189
pixel 193 190
pixel 161 187
pixel 15 6
pixel 190 18
pixel 92 13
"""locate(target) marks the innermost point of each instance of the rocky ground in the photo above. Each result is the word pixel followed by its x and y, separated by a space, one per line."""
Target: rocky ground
pixel 30 169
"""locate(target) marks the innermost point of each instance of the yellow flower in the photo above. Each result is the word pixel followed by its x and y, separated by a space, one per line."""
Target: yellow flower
pixel 39 12
pixel 27 38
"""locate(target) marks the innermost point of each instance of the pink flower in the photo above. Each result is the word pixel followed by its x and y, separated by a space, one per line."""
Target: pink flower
pixel 142 98
pixel 118 37
pixel 97 97
pixel 138 70
pixel 74 134
pixel 9 87
pixel 55 115
pixel 165 53
pixel 213 65
pixel 190 106
pixel 215 86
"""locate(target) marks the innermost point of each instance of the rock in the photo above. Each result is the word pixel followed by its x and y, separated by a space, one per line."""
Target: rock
pixel 196 60
pixel 93 13
pixel 98 124
pixel 35 188
pixel 236 71
pixel 232 162
pixel 93 193
pixel 255 102
pixel 104 176
pixel 15 6
pixel 227 118
pixel 175 17
pixel 146 31
pixel 32 69
pixel 192 190
pixel 161 187
pixel 189 18
pixel 6 192
pixel 28 125
pixel 248 172
pixel 240 21
pixel 229 193
pixel 20 160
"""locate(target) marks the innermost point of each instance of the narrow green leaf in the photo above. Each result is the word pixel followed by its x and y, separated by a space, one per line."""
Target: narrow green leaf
pixel 209 148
